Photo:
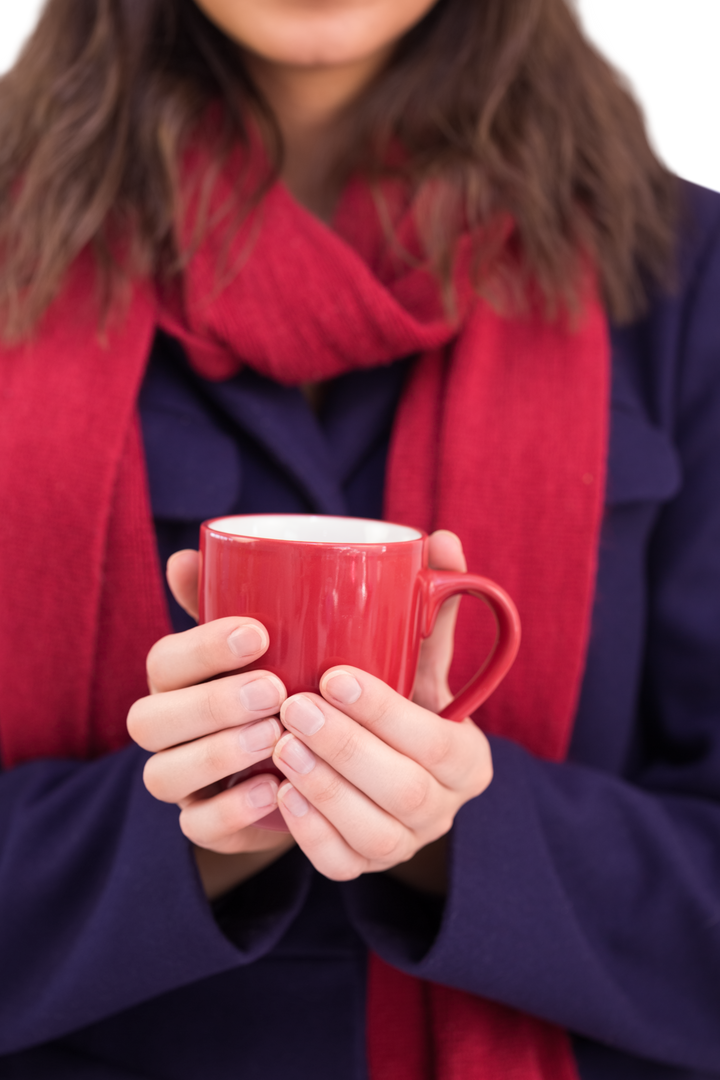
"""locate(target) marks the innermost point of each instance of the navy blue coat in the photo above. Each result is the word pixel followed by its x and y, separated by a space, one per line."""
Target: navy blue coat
pixel 587 893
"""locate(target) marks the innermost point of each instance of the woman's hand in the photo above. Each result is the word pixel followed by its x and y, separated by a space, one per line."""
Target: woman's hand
pixel 374 780
pixel 387 776
pixel 203 729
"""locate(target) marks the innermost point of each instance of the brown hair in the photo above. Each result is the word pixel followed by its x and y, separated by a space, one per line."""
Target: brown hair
pixel 505 99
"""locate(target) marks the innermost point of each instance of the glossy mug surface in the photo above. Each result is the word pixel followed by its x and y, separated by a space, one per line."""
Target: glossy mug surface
pixel 334 591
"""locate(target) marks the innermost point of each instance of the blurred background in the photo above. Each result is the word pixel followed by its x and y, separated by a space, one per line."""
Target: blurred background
pixel 667 49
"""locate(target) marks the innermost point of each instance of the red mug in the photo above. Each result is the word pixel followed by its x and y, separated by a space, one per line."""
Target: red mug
pixel 343 591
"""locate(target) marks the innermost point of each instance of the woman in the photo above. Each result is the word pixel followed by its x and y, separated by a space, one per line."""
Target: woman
pixel 469 237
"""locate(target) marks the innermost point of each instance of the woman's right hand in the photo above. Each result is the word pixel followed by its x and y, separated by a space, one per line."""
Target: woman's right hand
pixel 202 729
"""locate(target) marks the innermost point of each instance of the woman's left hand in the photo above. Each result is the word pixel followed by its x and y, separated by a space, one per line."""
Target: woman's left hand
pixel 374 781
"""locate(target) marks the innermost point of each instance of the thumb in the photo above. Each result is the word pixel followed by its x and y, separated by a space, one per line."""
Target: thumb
pixel 183 573
pixel 445 552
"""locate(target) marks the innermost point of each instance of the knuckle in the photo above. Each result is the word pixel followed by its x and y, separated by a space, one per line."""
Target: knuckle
pixel 228 814
pixel 412 797
pixel 441 826
pixel 382 712
pixel 478 774
pixel 214 706
pixel 190 827
pixel 349 870
pixel 154 778
pixel 386 707
pixel 137 724
pixel 346 750
pixel 217 818
pixel 213 764
pixel 206 650
pixel 156 661
pixel 440 746
pixel 389 845
pixel 211 821
pixel 331 792
pixel 479 784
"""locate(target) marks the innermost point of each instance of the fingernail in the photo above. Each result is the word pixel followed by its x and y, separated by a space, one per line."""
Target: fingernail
pixel 343 688
pixel 303 715
pixel 295 754
pixel 295 802
pixel 260 694
pixel 260 736
pixel 246 641
pixel 261 795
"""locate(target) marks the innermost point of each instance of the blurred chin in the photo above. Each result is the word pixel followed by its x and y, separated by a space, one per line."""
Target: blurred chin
pixel 317 41
pixel 309 33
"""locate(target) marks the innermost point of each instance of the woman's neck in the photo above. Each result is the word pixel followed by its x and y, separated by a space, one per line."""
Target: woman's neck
pixel 309 104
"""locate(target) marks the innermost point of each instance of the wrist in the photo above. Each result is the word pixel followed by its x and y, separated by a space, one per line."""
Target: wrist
pixel 219 873
pixel 427 871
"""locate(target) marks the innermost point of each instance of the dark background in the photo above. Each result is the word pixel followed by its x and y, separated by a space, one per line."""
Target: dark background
pixel 669 45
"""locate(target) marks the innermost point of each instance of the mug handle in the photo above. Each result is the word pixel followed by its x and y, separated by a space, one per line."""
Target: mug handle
pixel 438 586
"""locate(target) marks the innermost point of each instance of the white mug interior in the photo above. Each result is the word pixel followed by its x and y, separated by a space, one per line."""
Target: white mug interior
pixel 314 529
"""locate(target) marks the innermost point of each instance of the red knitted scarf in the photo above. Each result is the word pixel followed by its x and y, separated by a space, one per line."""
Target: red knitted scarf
pixel 500 436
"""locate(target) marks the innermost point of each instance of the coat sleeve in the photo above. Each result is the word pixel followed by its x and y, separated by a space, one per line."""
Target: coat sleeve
pixel 138 927
pixel 591 896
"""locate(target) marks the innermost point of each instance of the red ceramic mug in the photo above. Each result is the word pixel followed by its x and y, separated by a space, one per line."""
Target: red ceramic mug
pixel 334 591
